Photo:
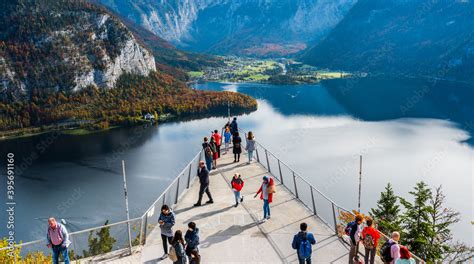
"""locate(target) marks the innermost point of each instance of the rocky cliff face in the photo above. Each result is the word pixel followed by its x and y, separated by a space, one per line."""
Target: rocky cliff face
pixel 66 45
pixel 249 27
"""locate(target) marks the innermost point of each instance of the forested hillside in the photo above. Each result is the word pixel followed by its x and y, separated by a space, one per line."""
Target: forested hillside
pixel 67 61
pixel 418 38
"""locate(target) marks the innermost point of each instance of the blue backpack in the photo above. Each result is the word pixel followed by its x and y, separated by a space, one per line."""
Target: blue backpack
pixel 304 251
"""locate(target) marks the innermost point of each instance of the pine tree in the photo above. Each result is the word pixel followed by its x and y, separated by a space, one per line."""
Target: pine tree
pixel 386 215
pixel 417 229
pixel 103 243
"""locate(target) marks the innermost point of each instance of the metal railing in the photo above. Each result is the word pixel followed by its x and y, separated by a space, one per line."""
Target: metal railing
pixel 321 205
pixel 316 201
pixel 140 227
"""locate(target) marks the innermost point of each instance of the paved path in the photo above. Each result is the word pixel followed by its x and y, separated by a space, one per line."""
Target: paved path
pixel 235 235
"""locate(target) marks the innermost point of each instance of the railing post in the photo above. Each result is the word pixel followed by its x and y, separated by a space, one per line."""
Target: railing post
pixel 334 218
pixel 256 152
pixel 189 175
pixel 296 188
pixel 268 163
pixel 279 169
pixel 145 228
pixel 164 198
pixel 312 199
pixel 177 190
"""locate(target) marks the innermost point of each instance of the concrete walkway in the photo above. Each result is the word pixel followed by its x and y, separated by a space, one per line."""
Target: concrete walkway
pixel 235 235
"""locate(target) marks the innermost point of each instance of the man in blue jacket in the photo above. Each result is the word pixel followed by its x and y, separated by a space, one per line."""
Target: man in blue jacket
pixel 203 175
pixel 303 242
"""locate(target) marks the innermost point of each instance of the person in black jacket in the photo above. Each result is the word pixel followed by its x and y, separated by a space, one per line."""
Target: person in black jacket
pixel 237 148
pixel 192 238
pixel 233 126
pixel 203 175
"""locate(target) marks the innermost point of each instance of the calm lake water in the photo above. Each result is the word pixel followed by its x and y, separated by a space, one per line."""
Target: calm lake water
pixel 407 131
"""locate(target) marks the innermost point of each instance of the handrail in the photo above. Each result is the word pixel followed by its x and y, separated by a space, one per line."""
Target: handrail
pixel 295 174
pixel 142 217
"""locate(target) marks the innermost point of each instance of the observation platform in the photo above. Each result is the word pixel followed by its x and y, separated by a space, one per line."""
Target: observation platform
pixel 236 235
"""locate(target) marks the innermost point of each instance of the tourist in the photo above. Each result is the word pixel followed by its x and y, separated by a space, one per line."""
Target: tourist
pixel 370 239
pixel 178 245
pixel 236 148
pixel 192 239
pixel 234 128
pixel 390 251
pixel 195 257
pixel 215 155
pixel 405 257
pixel 166 221
pixel 203 175
pixel 237 185
pixel 353 229
pixel 208 154
pixel 58 240
pixel 227 136
pixel 303 242
pixel 250 146
pixel 266 194
pixel 218 138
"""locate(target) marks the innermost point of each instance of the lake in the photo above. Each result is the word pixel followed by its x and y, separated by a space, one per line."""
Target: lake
pixel 406 130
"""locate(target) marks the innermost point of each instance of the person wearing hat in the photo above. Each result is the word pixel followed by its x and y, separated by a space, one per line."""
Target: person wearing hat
pixel 266 191
pixel 405 256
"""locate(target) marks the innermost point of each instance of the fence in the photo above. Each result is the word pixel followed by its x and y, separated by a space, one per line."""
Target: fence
pixel 322 206
pixel 118 239
pixel 332 214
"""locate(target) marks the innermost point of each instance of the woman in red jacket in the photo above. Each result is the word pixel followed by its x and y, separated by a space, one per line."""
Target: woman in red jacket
pixel 266 191
pixel 370 239
pixel 237 185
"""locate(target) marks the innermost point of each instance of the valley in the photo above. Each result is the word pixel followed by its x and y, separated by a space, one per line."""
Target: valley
pixel 275 71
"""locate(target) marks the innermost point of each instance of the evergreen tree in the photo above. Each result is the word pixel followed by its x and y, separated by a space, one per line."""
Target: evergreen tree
pixel 441 218
pixel 103 243
pixel 386 215
pixel 417 228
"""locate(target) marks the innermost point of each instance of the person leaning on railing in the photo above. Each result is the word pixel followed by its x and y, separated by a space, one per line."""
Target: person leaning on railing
pixel 58 240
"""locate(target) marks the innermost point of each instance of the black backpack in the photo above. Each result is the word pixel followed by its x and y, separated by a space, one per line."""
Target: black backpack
pixel 386 251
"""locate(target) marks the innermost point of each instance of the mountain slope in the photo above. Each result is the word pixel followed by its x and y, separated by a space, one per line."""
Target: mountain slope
pixel 71 63
pixel 246 27
pixel 399 37
pixel 65 46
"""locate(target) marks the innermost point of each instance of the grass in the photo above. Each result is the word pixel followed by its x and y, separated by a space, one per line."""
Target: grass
pixel 196 74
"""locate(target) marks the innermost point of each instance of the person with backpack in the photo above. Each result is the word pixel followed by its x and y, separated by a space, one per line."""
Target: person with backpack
pixel 177 253
pixel 266 191
pixel 215 155
pixel 217 138
pixel 250 146
pixel 370 239
pixel 208 154
pixel 192 239
pixel 237 185
pixel 303 242
pixel 58 240
pixel 203 175
pixel 227 136
pixel 166 221
pixel 237 148
pixel 405 257
pixel 353 231
pixel 390 251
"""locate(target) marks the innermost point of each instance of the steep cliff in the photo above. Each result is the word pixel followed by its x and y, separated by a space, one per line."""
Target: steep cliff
pixel 404 38
pixel 65 45
pixel 246 27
